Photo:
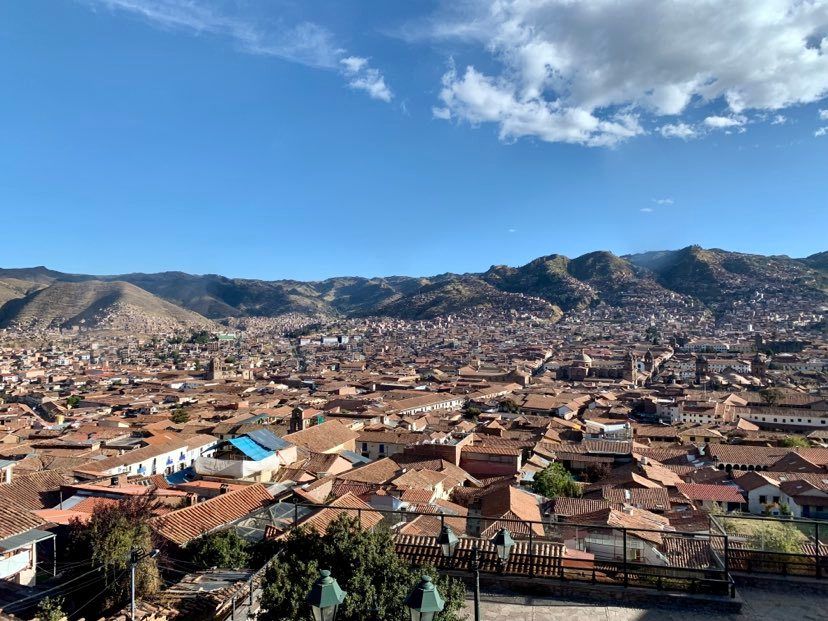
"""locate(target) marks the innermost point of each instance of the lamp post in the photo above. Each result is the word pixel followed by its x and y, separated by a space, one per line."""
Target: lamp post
pixel 424 601
pixel 325 597
pixel 503 543
pixel 135 557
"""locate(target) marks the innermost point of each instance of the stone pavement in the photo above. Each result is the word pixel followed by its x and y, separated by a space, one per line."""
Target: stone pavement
pixel 760 605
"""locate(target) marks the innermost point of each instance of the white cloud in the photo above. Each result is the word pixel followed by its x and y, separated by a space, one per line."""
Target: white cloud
pixel 721 122
pixel 565 67
pixel 361 76
pixel 678 130
pixel 823 115
pixel 822 131
pixel 477 98
pixel 663 201
pixel 646 209
pixel 779 119
pixel 441 113
pixel 305 43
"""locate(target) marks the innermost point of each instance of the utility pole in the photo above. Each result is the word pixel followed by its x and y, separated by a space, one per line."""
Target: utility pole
pixel 135 557
pixel 475 565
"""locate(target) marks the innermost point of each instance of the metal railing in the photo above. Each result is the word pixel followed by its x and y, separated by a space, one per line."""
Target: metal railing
pixel 779 546
pixel 667 560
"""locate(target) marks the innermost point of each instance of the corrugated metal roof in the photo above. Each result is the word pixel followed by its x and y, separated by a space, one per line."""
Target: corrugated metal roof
pixel 268 439
pixel 250 448
pixel 23 539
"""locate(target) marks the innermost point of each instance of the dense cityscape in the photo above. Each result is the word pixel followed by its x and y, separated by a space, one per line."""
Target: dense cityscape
pixel 645 417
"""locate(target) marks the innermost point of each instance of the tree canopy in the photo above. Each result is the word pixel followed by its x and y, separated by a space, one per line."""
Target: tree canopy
pixel 113 531
pixel 179 416
pixel 795 442
pixel 554 481
pixel 366 566
pixel 223 549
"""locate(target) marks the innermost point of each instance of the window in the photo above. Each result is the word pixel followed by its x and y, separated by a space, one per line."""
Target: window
pixel 776 499
pixel 763 500
pixel 382 449
pixel 364 446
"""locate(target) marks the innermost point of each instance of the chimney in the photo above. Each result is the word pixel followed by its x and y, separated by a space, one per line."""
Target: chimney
pixel 113 481
pixel 224 488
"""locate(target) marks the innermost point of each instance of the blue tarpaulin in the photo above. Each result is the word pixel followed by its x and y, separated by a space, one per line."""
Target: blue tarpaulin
pixel 250 448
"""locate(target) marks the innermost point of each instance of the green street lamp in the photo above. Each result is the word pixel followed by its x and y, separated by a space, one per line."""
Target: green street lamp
pixel 447 541
pixel 503 544
pixel 425 601
pixel 325 597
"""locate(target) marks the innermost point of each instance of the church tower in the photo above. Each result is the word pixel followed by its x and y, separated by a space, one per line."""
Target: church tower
pixel 701 368
pixel 649 362
pixel 215 370
pixel 630 368
pixel 296 420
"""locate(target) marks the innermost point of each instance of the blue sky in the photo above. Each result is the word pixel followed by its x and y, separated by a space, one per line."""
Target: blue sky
pixel 305 140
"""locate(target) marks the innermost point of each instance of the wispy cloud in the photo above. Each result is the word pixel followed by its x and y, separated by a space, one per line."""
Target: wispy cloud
pixel 663 201
pixel 362 77
pixel 305 43
pixel 822 131
pixel 823 115
pixel 646 209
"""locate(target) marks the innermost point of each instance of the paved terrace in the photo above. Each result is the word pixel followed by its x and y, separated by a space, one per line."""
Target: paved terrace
pixel 782 604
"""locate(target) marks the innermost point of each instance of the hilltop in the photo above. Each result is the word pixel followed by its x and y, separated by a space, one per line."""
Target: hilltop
pixel 546 286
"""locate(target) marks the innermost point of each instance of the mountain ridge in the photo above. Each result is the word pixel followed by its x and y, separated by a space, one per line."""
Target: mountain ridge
pixel 547 285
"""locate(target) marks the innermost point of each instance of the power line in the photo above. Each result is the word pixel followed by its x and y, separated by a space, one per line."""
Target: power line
pixel 58 587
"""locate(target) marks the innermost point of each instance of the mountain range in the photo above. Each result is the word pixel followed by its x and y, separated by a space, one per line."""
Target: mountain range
pixel 39 297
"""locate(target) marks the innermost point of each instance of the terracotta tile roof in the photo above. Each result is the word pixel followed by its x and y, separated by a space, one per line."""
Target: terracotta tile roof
pixel 746 455
pixel 88 505
pixel 569 507
pixel 410 494
pixel 716 493
pixel 15 519
pixel 419 479
pixel 186 524
pixel 38 490
pixel 643 498
pixel 423 550
pixel 380 471
pixel 323 437
pixel 630 519
pixel 510 503
pixel 346 505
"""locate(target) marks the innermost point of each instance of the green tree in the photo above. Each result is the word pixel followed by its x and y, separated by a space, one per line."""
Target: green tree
pixel 224 549
pixel 179 416
pixel 771 396
pixel 50 609
pixel 795 442
pixel 554 481
pixel 776 537
pixel 365 564
pixel 201 337
pixel 73 401
pixel 507 405
pixel 107 539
